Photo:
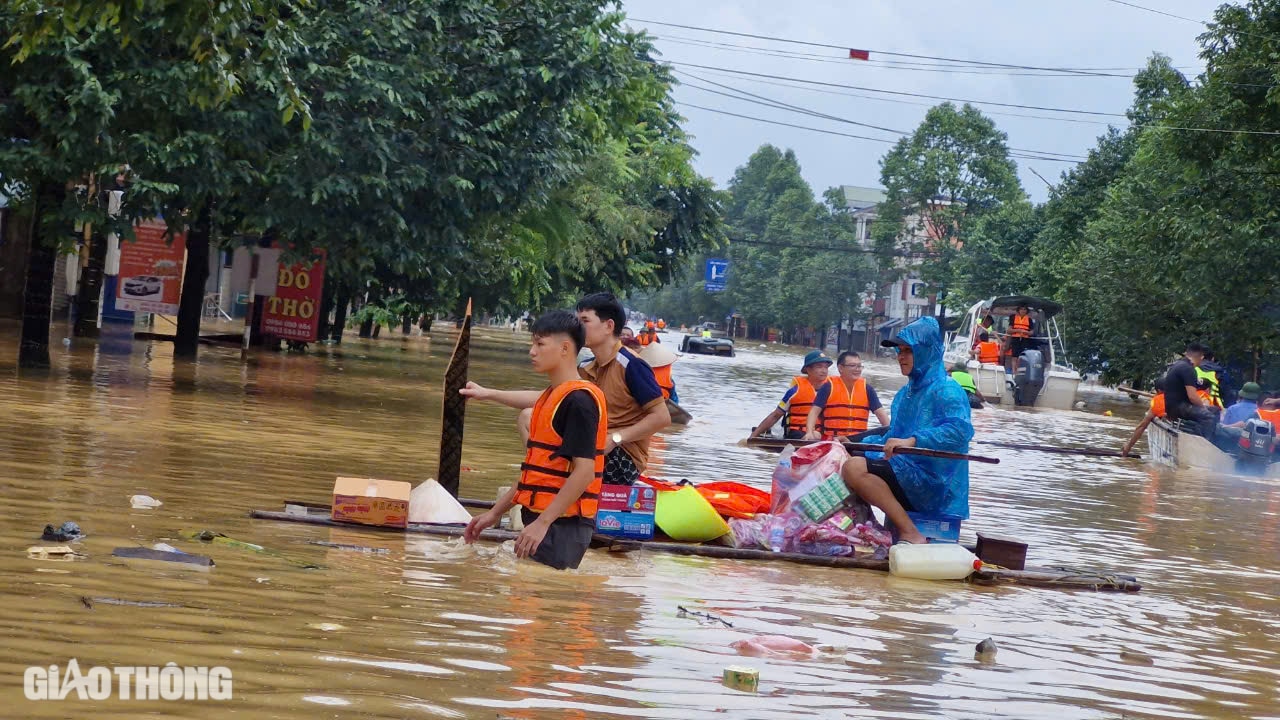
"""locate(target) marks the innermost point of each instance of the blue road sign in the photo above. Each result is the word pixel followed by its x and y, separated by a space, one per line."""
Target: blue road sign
pixel 717 274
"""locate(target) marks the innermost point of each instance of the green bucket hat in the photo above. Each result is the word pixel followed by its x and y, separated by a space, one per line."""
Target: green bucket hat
pixel 815 356
pixel 1250 391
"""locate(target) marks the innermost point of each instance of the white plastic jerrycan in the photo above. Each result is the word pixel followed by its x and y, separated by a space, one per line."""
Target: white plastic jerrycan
pixel 934 561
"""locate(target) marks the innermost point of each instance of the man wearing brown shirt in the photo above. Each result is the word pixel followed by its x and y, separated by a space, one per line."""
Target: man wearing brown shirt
pixel 634 401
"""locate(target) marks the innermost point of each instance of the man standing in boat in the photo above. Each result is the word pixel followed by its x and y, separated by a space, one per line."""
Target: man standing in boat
pixel 931 412
pixel 849 405
pixel 807 391
pixel 564 457
pixel 635 403
pixel 1021 330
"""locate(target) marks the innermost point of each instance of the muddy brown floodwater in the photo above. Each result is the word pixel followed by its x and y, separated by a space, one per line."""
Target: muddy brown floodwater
pixel 434 629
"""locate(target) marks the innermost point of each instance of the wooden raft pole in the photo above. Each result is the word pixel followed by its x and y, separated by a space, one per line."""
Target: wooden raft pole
pixel 776 445
pixel 1063 578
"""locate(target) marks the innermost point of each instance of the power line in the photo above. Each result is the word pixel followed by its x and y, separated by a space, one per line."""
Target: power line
pixel 898 92
pixel 802 86
pixel 770 102
pixel 949 69
pixel 827 248
pixel 1157 12
pixel 841 134
pixel 846 48
pixel 909 102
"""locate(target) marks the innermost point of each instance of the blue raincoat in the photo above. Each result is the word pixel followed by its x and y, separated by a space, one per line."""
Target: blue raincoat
pixel 935 411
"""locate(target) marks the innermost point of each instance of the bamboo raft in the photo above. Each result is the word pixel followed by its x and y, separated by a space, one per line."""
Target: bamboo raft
pixel 773 444
pixel 1064 578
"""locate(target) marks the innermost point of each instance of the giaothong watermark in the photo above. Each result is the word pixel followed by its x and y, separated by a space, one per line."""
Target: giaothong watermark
pixel 141 682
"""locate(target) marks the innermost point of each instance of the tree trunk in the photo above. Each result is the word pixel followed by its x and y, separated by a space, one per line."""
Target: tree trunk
pixel 256 337
pixel 340 315
pixel 406 324
pixel 366 328
pixel 377 329
pixel 191 306
pixel 37 301
pixel 426 322
pixel 90 295
pixel 326 307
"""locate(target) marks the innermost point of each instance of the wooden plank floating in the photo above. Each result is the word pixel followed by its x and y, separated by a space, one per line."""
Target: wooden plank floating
pixel 454 411
pixel 1063 578
pixel 198 562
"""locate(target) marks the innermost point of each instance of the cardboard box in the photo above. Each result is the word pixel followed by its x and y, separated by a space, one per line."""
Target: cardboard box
pixel 626 511
pixel 371 502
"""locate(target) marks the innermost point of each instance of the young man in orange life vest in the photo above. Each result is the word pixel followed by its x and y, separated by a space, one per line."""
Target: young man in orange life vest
pixel 851 402
pixel 636 407
pixel 806 391
pixel 564 456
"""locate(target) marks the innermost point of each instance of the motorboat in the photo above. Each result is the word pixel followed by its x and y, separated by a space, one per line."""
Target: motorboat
pixel 1039 376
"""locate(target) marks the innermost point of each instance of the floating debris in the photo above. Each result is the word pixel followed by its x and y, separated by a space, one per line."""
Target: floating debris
pixel 56 553
pixel 685 612
pixel 198 562
pixel 67 532
pixel 985 650
pixel 352 548
pixel 144 502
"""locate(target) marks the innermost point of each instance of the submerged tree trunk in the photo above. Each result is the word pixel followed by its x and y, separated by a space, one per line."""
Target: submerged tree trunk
pixel 366 328
pixel 191 307
pixel 90 294
pixel 326 307
pixel 340 315
pixel 37 300
pixel 406 324
pixel 377 329
pixel 426 322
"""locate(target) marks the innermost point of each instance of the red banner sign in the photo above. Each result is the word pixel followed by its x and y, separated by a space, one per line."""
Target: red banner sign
pixel 151 270
pixel 293 313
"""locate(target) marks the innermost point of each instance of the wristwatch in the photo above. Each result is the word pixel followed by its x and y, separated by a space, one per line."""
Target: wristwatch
pixel 617 438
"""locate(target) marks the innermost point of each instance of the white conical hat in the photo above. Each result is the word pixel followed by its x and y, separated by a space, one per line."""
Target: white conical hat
pixel 657 355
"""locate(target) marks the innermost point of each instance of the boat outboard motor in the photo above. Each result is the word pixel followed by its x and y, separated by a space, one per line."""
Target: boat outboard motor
pixel 1029 378
pixel 1257 442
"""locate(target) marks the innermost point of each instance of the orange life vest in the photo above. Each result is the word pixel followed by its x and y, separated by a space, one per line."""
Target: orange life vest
pixel 801 404
pixel 1020 327
pixel 647 338
pixel 1157 405
pixel 663 376
pixel 989 352
pixel 1271 416
pixel 847 409
pixel 662 324
pixel 542 474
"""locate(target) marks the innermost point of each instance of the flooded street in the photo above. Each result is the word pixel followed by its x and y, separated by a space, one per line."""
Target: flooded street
pixel 431 628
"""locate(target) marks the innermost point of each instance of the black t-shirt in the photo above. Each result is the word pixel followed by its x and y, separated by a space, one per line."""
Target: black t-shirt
pixel 575 422
pixel 1180 375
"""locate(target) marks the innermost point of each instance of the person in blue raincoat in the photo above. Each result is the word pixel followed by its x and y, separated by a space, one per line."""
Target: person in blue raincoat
pixel 930 412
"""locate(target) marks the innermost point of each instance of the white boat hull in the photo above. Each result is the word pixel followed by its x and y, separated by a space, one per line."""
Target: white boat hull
pixel 1170 447
pixel 1058 392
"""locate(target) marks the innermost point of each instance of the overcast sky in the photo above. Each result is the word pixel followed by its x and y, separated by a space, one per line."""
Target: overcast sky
pixel 1075 34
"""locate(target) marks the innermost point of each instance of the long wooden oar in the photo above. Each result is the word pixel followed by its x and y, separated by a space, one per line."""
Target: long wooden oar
pixel 454 413
pixel 776 445
pixel 1133 391
pixel 1061 450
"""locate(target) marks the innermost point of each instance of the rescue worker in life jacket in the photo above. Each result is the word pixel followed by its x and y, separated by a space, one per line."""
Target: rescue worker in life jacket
pixel 1155 410
pixel 960 373
pixel 1021 328
pixel 564 457
pixel 850 404
pixel 648 335
pixel 986 351
pixel 806 390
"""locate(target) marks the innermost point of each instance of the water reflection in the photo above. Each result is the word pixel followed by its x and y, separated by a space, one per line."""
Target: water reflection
pixel 433 628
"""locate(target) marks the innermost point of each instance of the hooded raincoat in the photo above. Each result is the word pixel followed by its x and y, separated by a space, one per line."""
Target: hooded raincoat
pixel 935 411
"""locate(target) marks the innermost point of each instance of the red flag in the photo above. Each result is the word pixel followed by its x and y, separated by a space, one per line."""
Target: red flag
pixel 859 54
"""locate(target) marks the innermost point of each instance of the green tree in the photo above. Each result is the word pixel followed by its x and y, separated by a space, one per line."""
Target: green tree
pixel 938 181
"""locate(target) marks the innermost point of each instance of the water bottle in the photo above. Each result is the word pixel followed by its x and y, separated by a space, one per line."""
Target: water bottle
pixel 938 561
pixel 777 537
